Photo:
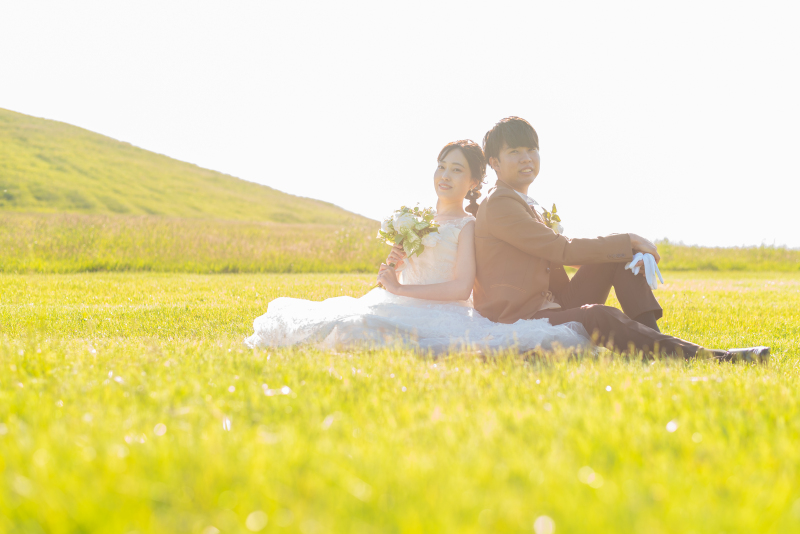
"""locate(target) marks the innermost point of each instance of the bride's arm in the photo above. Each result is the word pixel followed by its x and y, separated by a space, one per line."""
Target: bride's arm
pixel 457 289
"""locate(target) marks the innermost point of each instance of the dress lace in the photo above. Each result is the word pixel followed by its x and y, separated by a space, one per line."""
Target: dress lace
pixel 380 318
pixel 437 263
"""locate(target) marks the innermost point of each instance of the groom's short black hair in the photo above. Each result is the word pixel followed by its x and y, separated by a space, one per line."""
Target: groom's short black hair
pixel 514 132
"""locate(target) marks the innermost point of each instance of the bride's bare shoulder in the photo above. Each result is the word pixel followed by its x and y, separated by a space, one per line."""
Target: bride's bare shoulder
pixel 467 229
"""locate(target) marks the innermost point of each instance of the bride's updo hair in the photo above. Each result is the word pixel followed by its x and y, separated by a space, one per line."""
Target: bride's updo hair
pixel 477 168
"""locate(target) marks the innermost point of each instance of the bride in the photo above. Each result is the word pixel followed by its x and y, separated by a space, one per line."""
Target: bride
pixel 426 303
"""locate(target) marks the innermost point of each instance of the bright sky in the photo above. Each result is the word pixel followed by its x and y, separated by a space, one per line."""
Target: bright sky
pixel 670 119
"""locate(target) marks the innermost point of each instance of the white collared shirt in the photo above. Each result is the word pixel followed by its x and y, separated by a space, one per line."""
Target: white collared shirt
pixel 528 200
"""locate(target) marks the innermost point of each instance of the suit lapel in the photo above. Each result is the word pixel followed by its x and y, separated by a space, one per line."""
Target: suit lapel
pixel 537 216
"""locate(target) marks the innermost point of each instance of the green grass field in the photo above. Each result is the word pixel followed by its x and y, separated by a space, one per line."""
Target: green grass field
pixel 128 404
pixel 67 243
pixel 70 243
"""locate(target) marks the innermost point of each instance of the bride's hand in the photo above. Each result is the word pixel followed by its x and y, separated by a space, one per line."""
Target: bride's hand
pixel 387 277
pixel 397 256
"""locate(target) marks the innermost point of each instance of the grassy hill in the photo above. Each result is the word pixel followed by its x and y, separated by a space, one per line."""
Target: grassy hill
pixel 75 201
pixel 49 166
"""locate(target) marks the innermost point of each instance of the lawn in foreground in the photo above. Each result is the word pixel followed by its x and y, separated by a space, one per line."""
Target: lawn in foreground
pixel 127 403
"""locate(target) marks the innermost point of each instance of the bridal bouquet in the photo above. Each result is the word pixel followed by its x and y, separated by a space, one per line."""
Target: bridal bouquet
pixel 408 227
pixel 552 219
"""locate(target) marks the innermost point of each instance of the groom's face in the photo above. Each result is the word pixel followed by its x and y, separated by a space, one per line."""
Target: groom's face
pixel 516 166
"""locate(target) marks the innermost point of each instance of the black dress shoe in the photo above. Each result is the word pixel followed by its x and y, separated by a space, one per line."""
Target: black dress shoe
pixel 750 354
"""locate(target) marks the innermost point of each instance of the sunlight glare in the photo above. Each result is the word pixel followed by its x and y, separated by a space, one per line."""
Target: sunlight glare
pixel 544 525
pixel 672 426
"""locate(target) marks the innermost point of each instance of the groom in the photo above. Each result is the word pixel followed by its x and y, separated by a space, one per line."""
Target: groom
pixel 520 273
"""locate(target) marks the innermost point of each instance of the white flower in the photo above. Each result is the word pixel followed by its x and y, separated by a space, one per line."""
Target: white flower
pixel 385 226
pixel 430 240
pixel 402 221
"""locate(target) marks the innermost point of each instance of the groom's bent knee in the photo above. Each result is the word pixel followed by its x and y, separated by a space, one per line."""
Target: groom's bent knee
pixel 600 320
pixel 599 310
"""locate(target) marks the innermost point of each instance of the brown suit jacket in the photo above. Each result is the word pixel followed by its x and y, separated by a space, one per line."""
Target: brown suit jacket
pixel 519 259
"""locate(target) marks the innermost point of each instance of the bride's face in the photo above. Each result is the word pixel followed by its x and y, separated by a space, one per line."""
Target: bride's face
pixel 453 178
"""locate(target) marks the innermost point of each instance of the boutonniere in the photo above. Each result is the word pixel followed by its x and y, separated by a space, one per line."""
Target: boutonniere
pixel 552 220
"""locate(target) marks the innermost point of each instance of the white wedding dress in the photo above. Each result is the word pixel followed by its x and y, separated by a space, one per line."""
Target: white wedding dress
pixel 380 318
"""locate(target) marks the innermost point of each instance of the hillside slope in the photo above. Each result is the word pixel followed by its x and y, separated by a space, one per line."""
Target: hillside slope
pixel 49 166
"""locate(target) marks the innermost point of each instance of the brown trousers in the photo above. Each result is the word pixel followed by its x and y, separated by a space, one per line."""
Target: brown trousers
pixel 583 300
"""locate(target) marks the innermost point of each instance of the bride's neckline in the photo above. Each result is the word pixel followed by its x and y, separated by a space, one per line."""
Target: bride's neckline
pixel 467 216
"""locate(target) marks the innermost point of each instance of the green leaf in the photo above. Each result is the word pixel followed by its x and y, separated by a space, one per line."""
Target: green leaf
pixel 410 242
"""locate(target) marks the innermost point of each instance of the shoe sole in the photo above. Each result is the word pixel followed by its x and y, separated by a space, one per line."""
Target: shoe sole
pixel 755 354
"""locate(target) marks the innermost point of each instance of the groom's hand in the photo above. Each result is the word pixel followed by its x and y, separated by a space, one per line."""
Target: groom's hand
pixel 640 244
